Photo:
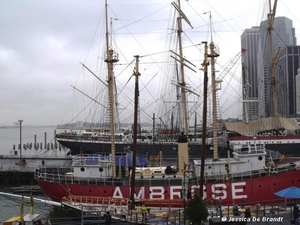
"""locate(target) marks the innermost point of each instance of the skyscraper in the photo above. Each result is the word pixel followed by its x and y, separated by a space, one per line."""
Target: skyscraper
pixel 283 34
pixel 288 64
pixel 249 43
pixel 257 76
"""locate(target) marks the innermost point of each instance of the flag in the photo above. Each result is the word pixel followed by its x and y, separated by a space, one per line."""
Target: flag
pixel 244 50
pixel 31 205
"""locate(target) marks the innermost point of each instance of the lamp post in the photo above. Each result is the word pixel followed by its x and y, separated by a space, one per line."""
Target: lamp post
pixel 20 122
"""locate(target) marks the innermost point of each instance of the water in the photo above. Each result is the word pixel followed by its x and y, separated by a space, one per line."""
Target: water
pixel 11 136
pixel 10 206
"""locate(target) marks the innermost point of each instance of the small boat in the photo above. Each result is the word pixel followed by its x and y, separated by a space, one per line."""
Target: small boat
pixel 21 162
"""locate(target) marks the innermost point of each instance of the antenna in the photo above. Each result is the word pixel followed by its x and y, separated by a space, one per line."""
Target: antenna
pixel 210 26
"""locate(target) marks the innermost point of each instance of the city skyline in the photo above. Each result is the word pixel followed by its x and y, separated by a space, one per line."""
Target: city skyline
pixel 257 73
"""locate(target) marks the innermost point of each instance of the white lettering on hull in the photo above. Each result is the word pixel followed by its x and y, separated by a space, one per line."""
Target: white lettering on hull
pixel 194 187
pixel 217 191
pixel 117 193
pixel 157 193
pixel 236 190
pixel 175 192
pixel 141 193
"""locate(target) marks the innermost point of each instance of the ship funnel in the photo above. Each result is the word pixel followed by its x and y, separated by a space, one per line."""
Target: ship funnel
pixel 183 153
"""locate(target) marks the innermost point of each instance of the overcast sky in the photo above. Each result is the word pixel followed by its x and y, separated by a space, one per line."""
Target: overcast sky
pixel 43 41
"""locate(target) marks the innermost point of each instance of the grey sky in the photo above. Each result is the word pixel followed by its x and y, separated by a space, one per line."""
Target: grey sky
pixel 42 42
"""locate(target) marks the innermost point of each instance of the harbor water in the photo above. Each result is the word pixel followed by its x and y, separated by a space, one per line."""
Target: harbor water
pixel 11 136
pixel 11 206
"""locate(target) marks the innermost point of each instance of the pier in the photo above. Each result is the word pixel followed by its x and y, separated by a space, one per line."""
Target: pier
pixel 12 173
pixel 17 165
pixel 19 171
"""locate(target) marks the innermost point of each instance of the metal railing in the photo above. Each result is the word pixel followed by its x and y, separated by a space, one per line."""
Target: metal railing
pixel 250 174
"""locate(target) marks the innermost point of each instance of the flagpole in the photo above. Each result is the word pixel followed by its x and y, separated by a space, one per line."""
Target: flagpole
pixel 31 206
pixel 22 211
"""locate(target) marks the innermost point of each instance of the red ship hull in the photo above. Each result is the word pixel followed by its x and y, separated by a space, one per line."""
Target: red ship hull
pixel 242 191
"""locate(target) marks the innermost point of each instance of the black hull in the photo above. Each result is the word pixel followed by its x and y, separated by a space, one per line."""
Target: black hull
pixel 292 149
pixel 17 178
pixel 169 150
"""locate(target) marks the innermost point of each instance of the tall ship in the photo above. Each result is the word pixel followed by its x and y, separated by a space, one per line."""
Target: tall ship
pixel 277 133
pixel 247 176
pixel 168 120
pixel 99 142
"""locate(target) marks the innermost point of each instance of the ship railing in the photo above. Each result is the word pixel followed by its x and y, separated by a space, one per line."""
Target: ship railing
pixel 80 180
pixel 68 177
pixel 257 151
pixel 248 149
pixel 251 174
pixel 124 181
pixel 90 159
pixel 274 155
pixel 95 200
pixel 118 201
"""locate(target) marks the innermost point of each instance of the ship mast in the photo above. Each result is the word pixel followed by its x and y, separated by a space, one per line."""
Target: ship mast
pixel 135 129
pixel 213 54
pixel 273 59
pixel 183 92
pixel 182 61
pixel 204 120
pixel 111 57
